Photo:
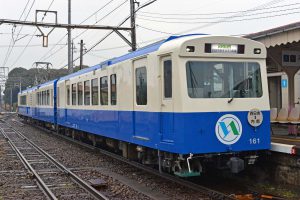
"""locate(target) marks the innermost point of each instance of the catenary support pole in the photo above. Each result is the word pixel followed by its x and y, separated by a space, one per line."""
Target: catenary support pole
pixel 133 30
pixel 70 66
pixel 81 54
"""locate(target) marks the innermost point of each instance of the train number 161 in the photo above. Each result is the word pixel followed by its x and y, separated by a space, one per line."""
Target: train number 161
pixel 254 140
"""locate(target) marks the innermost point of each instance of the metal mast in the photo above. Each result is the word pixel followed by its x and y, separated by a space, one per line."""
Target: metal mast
pixel 132 19
pixel 70 65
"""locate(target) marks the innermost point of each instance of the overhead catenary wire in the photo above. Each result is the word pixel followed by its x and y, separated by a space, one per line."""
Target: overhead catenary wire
pixel 207 24
pixel 270 3
pixel 218 13
pixel 13 41
pixel 32 45
pixel 29 41
pixel 217 17
pixel 224 20
pixel 45 56
pixel 114 10
pixel 150 29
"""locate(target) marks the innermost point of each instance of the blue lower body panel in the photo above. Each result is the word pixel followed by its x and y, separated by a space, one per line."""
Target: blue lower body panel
pixel 189 132
pixel 43 114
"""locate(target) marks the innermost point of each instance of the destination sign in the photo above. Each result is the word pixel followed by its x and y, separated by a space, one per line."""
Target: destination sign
pixel 224 48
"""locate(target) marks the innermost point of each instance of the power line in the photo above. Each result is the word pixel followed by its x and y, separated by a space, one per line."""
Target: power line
pixel 212 22
pixel 43 57
pixel 218 13
pixel 158 31
pixel 270 3
pixel 115 9
pixel 223 17
pixel 24 34
pixel 12 41
pixel 120 24
pixel 94 13
pixel 207 24
pixel 33 45
pixel 20 55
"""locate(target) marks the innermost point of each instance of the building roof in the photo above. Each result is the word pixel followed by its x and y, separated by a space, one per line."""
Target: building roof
pixel 277 36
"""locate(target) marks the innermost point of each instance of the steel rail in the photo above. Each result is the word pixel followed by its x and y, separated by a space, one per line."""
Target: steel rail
pixel 40 182
pixel 210 192
pixel 96 194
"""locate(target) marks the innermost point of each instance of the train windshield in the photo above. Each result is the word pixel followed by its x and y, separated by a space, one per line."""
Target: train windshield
pixel 223 79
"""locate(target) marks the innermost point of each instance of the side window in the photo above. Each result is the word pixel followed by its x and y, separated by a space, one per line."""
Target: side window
pixel 113 89
pixel 51 96
pixel 57 97
pixel 103 90
pixel 141 85
pixel 79 93
pixel 68 94
pixel 48 97
pixel 23 100
pixel 43 98
pixel 168 79
pixel 95 95
pixel 74 94
pixel 87 93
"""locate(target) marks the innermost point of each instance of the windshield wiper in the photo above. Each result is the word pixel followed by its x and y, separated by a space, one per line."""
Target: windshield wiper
pixel 230 100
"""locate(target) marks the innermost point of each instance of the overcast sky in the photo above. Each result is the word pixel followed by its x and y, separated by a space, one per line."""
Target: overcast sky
pixel 157 21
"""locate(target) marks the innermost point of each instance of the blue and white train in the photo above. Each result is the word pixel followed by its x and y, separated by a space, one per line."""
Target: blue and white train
pixel 183 103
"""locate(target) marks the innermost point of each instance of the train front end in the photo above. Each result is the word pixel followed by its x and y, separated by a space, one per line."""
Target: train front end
pixel 223 115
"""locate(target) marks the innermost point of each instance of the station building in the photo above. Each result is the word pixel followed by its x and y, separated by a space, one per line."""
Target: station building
pixel 283 64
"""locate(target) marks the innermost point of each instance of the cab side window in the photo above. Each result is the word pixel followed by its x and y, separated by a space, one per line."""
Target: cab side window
pixel 141 85
pixel 104 90
pixel 167 78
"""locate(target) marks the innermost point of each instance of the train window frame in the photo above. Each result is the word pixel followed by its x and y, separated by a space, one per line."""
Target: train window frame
pixel 43 98
pixel 102 91
pixel 52 96
pixel 233 93
pixel 85 93
pixel 95 80
pixel 74 94
pixel 113 100
pixel 137 98
pixel 169 89
pixel 68 94
pixel 23 100
pixel 79 97
pixel 48 97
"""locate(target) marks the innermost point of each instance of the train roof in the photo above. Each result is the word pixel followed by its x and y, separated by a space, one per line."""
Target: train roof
pixel 38 86
pixel 139 52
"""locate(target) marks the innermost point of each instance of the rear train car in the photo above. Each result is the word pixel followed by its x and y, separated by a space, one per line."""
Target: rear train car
pixel 39 103
pixel 183 104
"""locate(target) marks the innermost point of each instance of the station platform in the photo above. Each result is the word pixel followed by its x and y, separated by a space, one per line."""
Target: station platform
pixel 283 142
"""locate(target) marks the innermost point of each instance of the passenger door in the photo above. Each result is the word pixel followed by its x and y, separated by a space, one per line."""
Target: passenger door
pixel 141 118
pixel 167 104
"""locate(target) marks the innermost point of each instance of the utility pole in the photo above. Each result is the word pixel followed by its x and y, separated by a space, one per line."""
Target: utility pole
pixel 11 104
pixel 70 65
pixel 20 85
pixel 81 54
pixel 133 30
pixel 0 97
pixel 72 55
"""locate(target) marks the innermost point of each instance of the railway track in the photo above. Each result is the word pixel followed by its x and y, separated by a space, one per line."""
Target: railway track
pixel 210 193
pixel 53 178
